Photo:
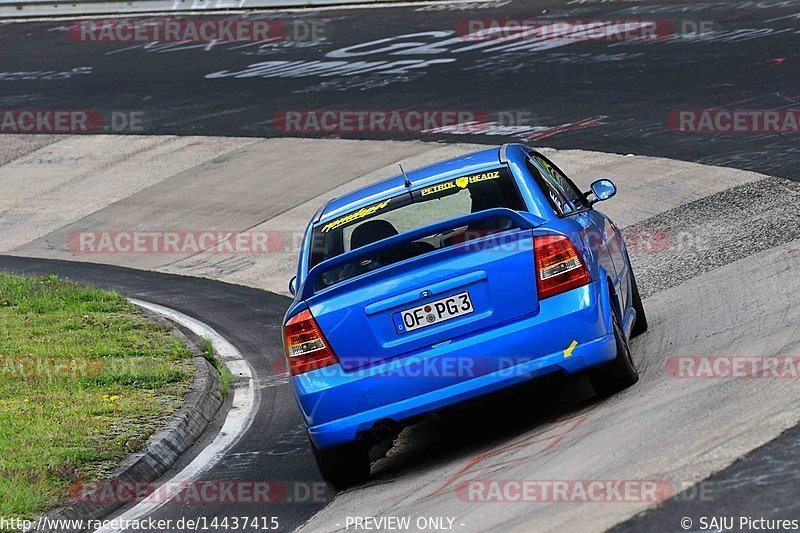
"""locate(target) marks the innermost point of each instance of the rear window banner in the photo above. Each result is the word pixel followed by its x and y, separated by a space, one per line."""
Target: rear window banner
pixel 454 185
pixel 364 212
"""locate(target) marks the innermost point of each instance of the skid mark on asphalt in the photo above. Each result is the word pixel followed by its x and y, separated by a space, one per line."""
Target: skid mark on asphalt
pixel 290 442
pixel 559 433
pixel 236 465
pixel 571 126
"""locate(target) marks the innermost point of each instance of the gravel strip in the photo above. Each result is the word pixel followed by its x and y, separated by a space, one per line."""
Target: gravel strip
pixel 15 146
pixel 675 246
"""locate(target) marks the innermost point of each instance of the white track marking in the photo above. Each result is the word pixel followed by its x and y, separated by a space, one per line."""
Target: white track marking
pixel 237 422
pixel 156 8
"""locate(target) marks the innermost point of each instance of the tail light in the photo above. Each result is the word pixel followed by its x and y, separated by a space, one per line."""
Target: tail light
pixel 306 347
pixel 559 266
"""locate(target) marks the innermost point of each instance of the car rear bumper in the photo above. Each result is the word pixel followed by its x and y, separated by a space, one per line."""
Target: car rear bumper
pixel 570 333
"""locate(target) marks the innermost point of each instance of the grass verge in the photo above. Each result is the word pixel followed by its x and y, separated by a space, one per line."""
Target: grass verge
pixel 85 380
pixel 225 376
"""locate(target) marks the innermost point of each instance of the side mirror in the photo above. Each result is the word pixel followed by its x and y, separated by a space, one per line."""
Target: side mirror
pixel 293 285
pixel 602 189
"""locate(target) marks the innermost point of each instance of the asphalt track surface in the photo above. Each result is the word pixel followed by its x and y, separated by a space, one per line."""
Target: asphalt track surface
pixel 609 97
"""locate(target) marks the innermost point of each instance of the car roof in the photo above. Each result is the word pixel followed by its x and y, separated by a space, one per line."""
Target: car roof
pixel 419 178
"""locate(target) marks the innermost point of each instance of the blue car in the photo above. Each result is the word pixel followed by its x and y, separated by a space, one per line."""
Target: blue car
pixel 451 282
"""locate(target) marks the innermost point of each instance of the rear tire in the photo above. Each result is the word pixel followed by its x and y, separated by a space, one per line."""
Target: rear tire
pixel 640 326
pixel 618 374
pixel 343 466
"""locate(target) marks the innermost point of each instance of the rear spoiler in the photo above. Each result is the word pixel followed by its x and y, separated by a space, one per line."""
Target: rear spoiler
pixel 522 220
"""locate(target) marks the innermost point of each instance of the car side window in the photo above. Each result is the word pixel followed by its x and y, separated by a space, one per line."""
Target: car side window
pixel 558 180
pixel 555 196
pixel 572 192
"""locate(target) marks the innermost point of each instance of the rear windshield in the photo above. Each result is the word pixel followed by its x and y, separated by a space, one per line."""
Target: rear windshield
pixel 448 199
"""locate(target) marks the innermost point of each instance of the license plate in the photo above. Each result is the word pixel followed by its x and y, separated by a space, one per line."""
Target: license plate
pixel 433 313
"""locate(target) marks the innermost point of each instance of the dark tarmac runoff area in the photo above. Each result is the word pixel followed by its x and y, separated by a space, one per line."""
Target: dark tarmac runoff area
pixel 725 65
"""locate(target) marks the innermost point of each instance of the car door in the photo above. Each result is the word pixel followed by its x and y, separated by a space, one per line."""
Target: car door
pixel 602 234
pixel 614 247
